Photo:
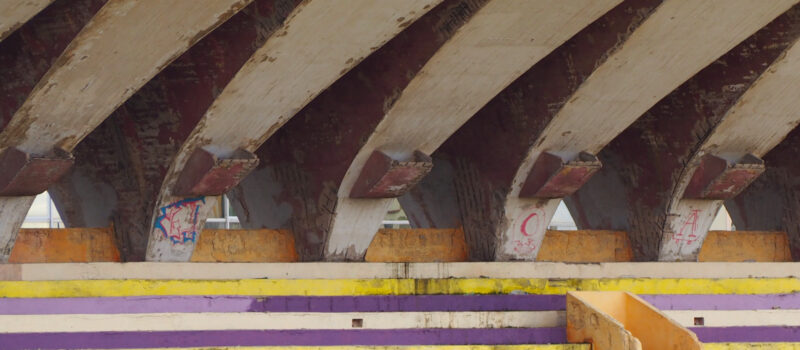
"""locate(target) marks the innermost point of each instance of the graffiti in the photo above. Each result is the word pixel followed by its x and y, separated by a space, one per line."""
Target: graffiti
pixel 178 221
pixel 525 246
pixel 688 231
pixel 532 226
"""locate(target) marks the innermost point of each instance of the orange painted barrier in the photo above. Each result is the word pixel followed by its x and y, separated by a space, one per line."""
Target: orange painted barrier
pixel 585 246
pixel 389 245
pixel 746 246
pixel 418 245
pixel 65 245
pixel 262 245
pixel 623 321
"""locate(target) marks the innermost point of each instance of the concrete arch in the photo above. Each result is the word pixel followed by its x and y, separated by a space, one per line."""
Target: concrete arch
pixel 321 41
pixel 707 136
pixel 121 165
pixel 474 169
pixel 461 77
pixel 25 56
pixel 678 35
pixel 304 162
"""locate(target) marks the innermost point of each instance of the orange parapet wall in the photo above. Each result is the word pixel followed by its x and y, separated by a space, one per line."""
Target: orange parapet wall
pixel 418 245
pixel 389 245
pixel 64 245
pixel 623 321
pixel 261 245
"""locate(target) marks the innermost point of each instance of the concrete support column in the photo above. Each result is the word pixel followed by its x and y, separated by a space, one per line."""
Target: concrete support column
pixel 25 56
pixel 303 164
pixel 319 42
pixel 121 165
pixel 475 168
pixel 465 74
pixel 665 177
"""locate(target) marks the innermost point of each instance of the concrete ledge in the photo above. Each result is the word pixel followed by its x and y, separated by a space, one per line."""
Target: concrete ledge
pixel 328 270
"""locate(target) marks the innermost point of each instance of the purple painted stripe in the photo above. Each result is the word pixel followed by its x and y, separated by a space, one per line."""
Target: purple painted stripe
pixel 392 303
pixel 724 302
pixel 747 334
pixel 120 340
pixel 372 303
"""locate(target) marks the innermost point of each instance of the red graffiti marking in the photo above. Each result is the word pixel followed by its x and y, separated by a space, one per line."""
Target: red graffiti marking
pixel 532 225
pixel 688 232
pixel 525 247
pixel 538 219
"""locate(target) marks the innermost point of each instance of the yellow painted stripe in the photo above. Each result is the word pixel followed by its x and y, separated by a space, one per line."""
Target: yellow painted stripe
pixel 751 346
pixel 267 287
pixel 415 347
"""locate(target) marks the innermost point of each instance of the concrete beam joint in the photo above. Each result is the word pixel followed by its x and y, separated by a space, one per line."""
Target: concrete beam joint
pixel 207 175
pixel 384 177
pixel 552 176
pixel 717 178
pixel 26 174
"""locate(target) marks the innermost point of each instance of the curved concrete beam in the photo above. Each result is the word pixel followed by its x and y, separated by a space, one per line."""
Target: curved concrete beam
pixel 552 129
pixel 74 96
pixel 321 41
pixel 14 13
pixel 502 40
pixel 25 56
pixel 304 162
pixel 471 180
pixel 773 200
pixel 665 177
pixel 120 166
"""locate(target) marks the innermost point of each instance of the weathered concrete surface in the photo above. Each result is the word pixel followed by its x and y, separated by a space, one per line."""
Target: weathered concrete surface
pixel 712 113
pixel 589 111
pixel 14 13
pixel 303 164
pixel 121 165
pixel 25 56
pixel 471 180
pixel 772 202
pixel 132 41
pixel 500 42
pixel 321 41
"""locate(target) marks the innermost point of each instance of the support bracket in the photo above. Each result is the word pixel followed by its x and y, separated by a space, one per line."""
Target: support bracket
pixel 717 178
pixel 26 174
pixel 552 176
pixel 207 175
pixel 384 177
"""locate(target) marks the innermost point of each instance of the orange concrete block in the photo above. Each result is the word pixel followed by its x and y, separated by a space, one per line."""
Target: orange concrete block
pixel 585 246
pixel 418 245
pixel 740 246
pixel 264 245
pixel 623 321
pixel 65 245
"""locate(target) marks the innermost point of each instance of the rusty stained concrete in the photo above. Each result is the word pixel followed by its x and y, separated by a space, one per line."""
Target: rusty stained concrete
pixel 306 160
pixel 132 41
pixel 772 202
pixel 320 41
pixel 647 168
pixel 477 176
pixel 123 163
pixel 503 40
pixel 25 56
